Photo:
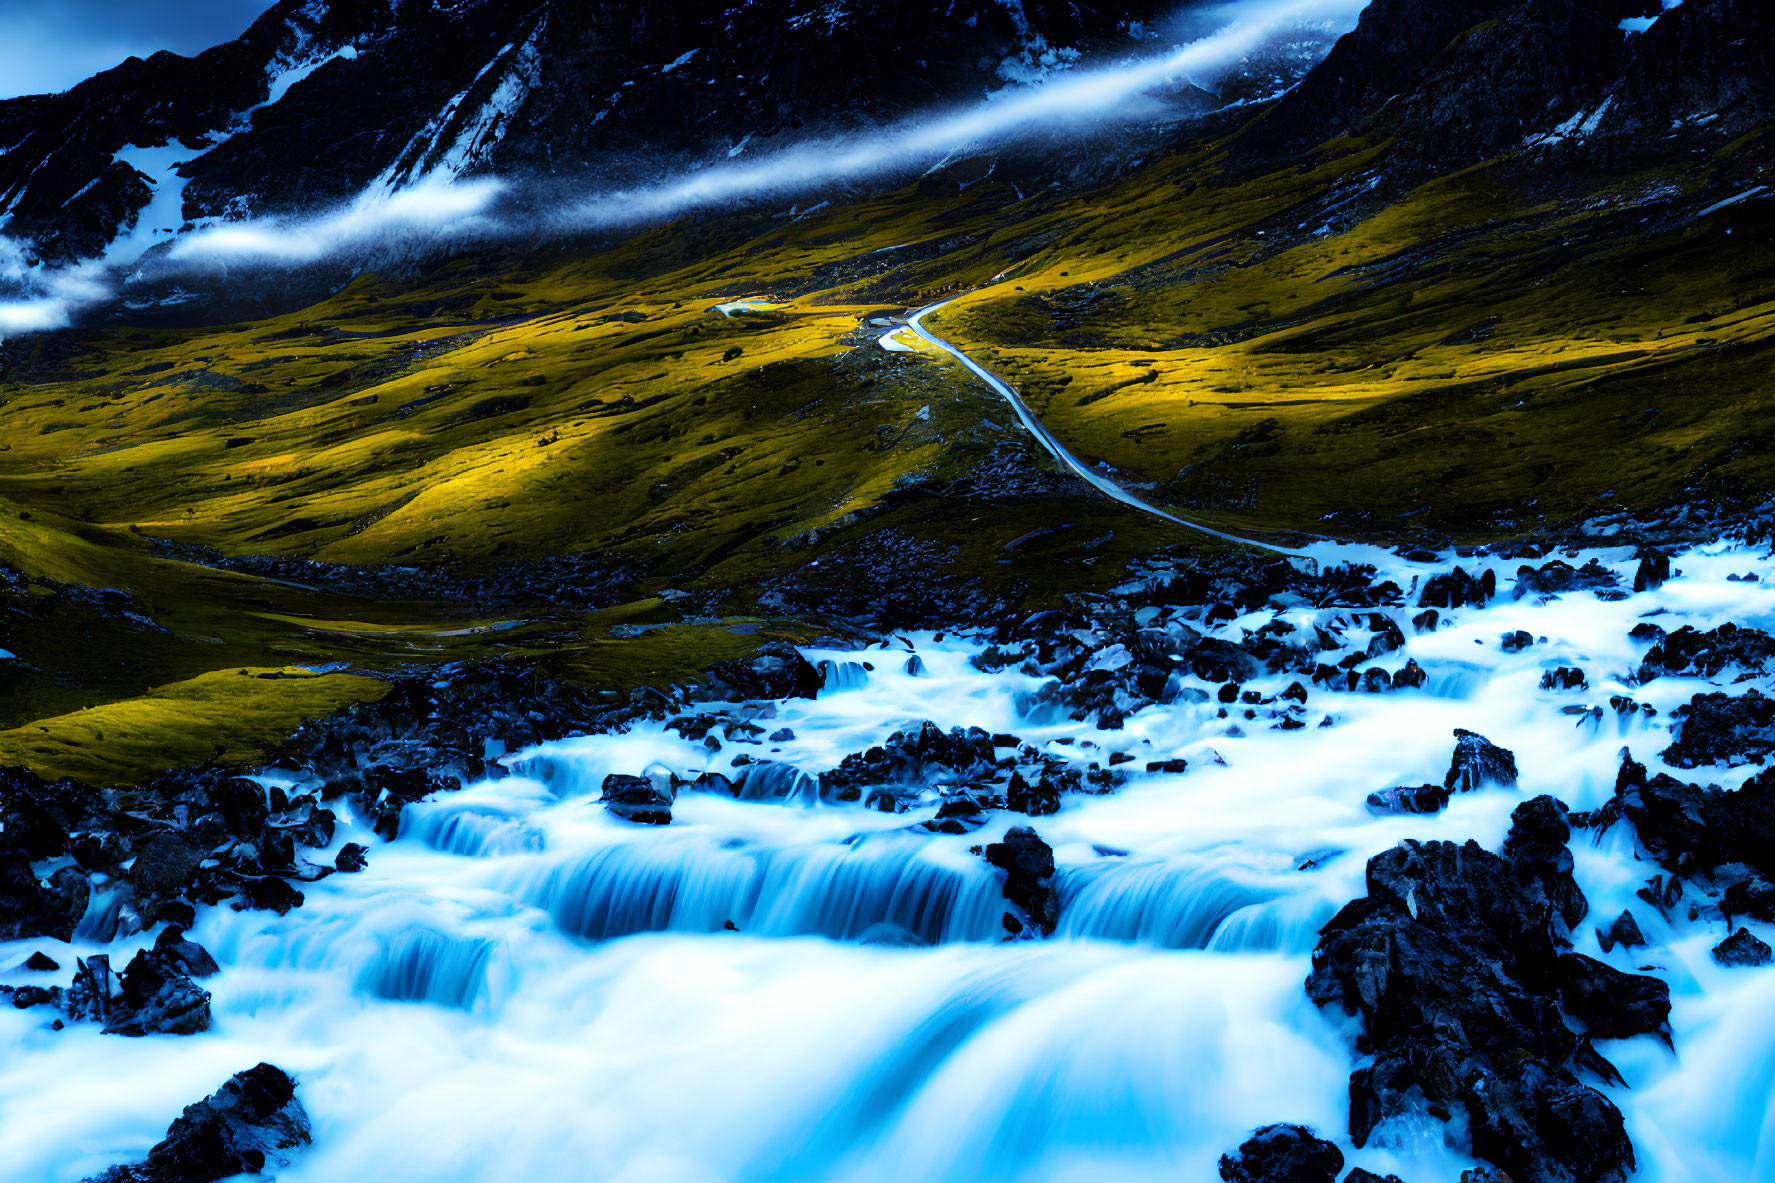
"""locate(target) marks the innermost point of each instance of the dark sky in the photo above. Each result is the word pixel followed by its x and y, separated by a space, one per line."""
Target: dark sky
pixel 49 45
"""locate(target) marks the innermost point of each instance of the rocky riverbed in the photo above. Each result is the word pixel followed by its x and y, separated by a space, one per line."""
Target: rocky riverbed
pixel 1378 865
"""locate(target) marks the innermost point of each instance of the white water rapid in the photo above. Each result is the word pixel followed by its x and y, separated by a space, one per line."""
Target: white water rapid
pixel 522 986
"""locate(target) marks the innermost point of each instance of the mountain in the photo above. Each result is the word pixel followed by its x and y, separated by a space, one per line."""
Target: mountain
pixel 318 101
pixel 1456 81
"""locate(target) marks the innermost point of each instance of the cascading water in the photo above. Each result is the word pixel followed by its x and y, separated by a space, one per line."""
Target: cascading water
pixel 783 987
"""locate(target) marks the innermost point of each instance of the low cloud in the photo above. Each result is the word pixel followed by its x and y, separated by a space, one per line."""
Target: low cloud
pixel 442 212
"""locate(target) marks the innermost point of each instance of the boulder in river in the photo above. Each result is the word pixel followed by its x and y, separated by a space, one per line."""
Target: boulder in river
pixel 1564 677
pixel 192 957
pixel 1283 1154
pixel 1028 864
pixel 241 1128
pixel 165 865
pixel 1653 570
pixel 1472 1009
pixel 32 908
pixel 1556 577
pixel 157 997
pixel 37 815
pixel 775 671
pixel 1725 839
pixel 1722 729
pixel 1742 949
pixel 1457 589
pixel 637 799
pixel 922 755
pixel 1037 800
pixel 1623 932
pixel 1478 762
pixel 1689 652
pixel 1409 799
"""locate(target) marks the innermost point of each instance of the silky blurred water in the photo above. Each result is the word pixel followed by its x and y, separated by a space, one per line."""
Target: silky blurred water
pixel 775 988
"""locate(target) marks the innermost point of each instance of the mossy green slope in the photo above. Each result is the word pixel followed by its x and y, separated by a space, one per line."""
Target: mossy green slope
pixel 1310 348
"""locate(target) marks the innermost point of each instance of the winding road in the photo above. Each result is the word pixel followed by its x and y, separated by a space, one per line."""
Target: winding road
pixel 1035 427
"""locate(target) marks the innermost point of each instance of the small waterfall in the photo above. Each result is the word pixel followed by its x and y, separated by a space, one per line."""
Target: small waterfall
pixel 103 916
pixel 772 780
pixel 831 890
pixel 472 832
pixel 425 966
pixel 1158 903
pixel 839 676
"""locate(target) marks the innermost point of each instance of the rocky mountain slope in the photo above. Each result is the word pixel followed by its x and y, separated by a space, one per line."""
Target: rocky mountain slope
pixel 319 100
pixel 1458 81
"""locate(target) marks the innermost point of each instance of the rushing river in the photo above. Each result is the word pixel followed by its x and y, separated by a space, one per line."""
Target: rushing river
pixel 523 986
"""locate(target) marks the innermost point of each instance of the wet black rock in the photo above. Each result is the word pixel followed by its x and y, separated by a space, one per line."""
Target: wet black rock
pixel 1718 728
pixel 1624 931
pixel 1410 676
pixel 158 997
pixel 443 724
pixel 775 671
pixel 1564 678
pixel 1609 1004
pixel 165 864
pixel 31 908
pixel 1702 832
pixel 266 893
pixel 1557 577
pixel 920 756
pixel 1028 864
pixel 1653 570
pixel 1478 762
pixel 1037 800
pixel 960 814
pixel 1457 589
pixel 1283 1154
pixel 351 857
pixel 1409 799
pixel 247 1125
pixel 242 804
pixel 41 962
pixel 1516 641
pixel 1536 847
pixel 1425 621
pixel 153 996
pixel 1742 949
pixel 37 815
pixel 1689 652
pixel 1361 1175
pixel 382 791
pixel 190 956
pixel 1386 636
pixel 1472 1009
pixel 637 799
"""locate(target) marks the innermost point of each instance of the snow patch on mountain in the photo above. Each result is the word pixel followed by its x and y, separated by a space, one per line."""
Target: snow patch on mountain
pixel 1639 24
pixel 159 221
pixel 454 143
